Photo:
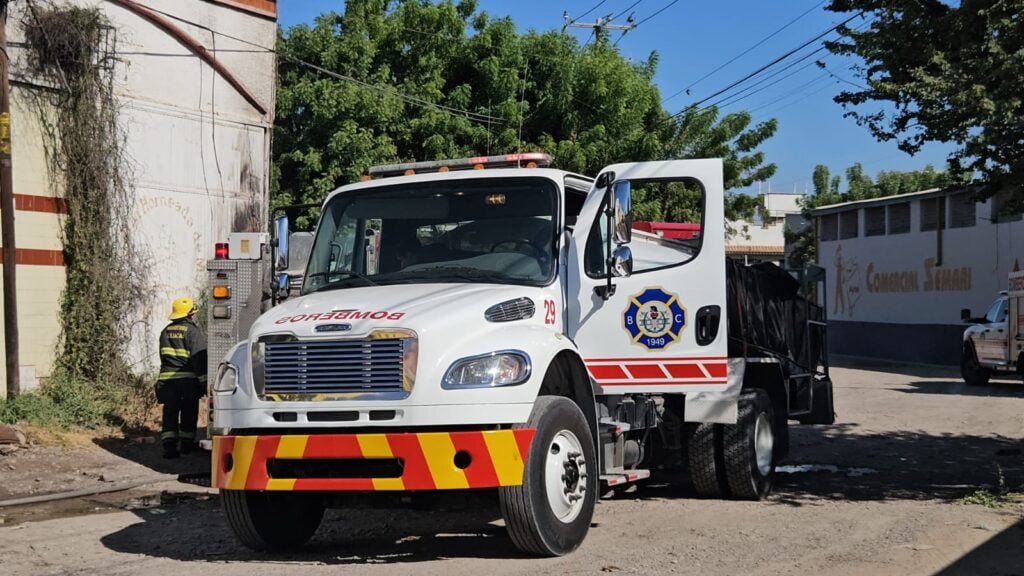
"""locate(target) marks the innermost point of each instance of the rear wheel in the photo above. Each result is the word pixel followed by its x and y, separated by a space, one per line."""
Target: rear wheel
pixel 703 443
pixel 971 371
pixel 272 520
pixel 550 513
pixel 749 447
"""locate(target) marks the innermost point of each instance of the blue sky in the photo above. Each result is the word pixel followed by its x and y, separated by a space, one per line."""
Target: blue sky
pixel 693 38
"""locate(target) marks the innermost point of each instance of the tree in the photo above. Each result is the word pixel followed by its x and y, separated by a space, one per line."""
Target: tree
pixel 945 72
pixel 425 81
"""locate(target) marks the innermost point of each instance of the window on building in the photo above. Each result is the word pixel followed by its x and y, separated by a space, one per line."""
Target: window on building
pixel 963 211
pixel 932 214
pixel 848 223
pixel 1004 209
pixel 828 226
pixel 874 221
pixel 899 218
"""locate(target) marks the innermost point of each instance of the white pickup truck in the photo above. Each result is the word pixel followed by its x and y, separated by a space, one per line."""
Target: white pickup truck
pixel 994 343
pixel 504 329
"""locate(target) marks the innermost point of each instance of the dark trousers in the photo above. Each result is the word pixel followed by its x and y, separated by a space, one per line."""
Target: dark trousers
pixel 180 398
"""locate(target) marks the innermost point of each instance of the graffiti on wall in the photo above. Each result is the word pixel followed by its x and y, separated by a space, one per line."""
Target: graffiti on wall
pixel 847 282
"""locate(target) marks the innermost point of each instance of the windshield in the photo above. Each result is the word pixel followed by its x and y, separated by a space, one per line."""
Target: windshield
pixel 479 230
pixel 997 312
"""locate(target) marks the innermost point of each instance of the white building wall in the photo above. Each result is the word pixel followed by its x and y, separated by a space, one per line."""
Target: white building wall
pixel 906 281
pixel 199 150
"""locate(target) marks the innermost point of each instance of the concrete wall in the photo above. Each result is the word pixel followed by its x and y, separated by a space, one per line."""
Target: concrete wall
pixel 199 152
pixel 900 295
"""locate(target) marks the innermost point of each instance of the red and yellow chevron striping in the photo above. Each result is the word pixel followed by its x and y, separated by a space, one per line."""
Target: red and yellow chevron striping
pixel 429 460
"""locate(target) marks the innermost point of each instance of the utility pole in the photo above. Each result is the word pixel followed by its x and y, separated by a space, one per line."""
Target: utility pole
pixel 599 26
pixel 7 216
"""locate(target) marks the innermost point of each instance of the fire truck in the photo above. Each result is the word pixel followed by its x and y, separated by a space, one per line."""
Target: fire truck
pixel 495 325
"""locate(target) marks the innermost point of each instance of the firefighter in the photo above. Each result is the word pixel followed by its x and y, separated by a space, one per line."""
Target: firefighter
pixel 182 380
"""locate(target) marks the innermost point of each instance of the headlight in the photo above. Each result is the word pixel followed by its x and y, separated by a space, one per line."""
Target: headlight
pixel 227 379
pixel 504 368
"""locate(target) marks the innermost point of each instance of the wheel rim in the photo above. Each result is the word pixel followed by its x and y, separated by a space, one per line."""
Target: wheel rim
pixel 565 476
pixel 764 443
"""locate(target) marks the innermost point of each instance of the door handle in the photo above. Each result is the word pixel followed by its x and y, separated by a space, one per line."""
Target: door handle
pixel 708 319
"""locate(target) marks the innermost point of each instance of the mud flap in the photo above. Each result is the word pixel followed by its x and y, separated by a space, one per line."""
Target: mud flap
pixel 822 408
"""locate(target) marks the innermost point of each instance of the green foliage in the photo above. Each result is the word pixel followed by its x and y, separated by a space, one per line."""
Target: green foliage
pixel 480 87
pixel 993 499
pixel 72 48
pixel 945 72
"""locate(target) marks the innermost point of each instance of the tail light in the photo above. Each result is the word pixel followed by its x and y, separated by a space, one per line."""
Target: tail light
pixel 220 251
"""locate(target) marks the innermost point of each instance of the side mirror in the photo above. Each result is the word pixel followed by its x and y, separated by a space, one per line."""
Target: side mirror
pixel 283 285
pixel 622 220
pixel 622 262
pixel 814 273
pixel 281 225
pixel 965 315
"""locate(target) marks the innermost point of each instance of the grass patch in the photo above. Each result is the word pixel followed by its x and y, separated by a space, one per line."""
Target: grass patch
pixel 993 499
pixel 63 404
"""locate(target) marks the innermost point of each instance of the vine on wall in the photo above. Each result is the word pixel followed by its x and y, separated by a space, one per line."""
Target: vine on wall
pixel 71 51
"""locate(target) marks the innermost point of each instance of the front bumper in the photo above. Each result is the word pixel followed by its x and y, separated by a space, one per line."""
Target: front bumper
pixel 423 461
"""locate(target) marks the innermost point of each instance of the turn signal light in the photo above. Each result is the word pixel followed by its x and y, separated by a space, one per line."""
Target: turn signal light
pixel 220 251
pixel 221 292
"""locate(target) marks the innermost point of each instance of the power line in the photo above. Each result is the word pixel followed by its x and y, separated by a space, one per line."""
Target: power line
pixel 389 90
pixel 750 90
pixel 793 103
pixel 568 22
pixel 745 52
pixel 665 7
pixel 763 68
pixel 630 7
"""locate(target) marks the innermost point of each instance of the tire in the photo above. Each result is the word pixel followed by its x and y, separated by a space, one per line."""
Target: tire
pixel 748 447
pixel 972 372
pixel 703 459
pixel 272 520
pixel 539 515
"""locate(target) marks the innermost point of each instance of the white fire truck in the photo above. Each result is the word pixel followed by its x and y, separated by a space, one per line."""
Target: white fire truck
pixel 988 347
pixel 504 329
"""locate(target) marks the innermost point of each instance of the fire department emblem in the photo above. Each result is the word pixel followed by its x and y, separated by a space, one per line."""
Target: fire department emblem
pixel 654 318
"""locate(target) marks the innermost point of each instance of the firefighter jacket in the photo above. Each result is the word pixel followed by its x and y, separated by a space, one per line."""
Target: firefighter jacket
pixel 182 353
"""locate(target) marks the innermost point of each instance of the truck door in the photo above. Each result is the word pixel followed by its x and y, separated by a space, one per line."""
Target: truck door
pixel 662 328
pixel 993 342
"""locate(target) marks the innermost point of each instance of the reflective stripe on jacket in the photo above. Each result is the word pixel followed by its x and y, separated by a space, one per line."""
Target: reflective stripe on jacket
pixel 182 352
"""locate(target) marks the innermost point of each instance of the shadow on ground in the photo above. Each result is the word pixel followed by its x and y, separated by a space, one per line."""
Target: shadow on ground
pixel 841 462
pixel 994 389
pixel 199 532
pixel 151 456
pixel 1003 554
pixel 893 367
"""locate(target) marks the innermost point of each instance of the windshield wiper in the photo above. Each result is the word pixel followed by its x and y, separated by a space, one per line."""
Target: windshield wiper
pixel 346 275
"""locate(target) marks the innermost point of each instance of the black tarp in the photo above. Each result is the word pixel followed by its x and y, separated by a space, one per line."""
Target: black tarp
pixel 767 315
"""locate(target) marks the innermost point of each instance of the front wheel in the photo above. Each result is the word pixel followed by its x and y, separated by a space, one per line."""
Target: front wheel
pixel 272 520
pixel 550 513
pixel 971 371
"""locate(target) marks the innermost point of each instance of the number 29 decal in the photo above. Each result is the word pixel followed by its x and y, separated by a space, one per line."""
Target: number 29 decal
pixel 549 312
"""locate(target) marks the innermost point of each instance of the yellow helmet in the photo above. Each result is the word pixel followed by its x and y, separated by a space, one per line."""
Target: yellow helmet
pixel 181 307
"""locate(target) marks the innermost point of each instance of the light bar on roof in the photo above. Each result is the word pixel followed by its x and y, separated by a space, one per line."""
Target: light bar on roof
pixel 523 160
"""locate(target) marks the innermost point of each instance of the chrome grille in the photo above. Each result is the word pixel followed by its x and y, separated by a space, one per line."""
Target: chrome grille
pixel 509 310
pixel 333 367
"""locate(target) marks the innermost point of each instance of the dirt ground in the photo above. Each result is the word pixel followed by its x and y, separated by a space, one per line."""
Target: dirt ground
pixel 880 492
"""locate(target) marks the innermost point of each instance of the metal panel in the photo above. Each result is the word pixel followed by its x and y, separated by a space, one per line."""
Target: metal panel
pixel 245 280
pixel 339 366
